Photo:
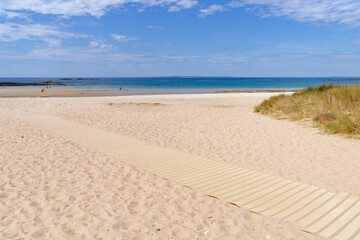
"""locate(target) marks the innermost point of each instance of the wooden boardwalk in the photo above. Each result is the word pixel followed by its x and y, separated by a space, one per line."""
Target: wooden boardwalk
pixel 319 211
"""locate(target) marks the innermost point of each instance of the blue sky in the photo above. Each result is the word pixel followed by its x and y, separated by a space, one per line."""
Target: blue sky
pixel 130 38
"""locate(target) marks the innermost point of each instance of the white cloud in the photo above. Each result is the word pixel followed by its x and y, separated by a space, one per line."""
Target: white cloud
pixel 99 47
pixel 97 51
pixel 94 52
pixel 339 11
pixel 95 8
pixel 10 14
pixel 219 8
pixel 53 42
pixel 211 10
pixel 122 38
pixel 182 4
pixel 235 4
pixel 156 27
pixel 14 32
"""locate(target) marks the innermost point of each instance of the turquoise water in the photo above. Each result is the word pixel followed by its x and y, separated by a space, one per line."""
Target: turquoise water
pixel 191 83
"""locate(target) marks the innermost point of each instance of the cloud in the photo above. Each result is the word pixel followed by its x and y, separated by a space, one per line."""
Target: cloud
pixel 10 14
pixel 156 27
pixel 88 7
pixel 93 52
pixel 338 11
pixel 211 10
pixel 122 38
pixel 14 32
pixel 53 42
pixel 100 47
pixel 98 51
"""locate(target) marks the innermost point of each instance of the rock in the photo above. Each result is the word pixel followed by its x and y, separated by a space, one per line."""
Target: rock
pixel 46 83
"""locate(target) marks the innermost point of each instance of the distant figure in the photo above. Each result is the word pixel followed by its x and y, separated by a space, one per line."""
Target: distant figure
pixel 120 88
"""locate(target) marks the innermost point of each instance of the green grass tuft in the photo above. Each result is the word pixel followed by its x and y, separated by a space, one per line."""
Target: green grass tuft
pixel 341 116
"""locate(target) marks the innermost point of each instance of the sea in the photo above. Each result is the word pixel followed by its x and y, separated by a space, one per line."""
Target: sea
pixel 191 84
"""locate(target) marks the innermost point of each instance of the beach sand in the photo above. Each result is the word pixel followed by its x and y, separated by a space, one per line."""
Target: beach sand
pixel 58 92
pixel 52 188
pixel 54 91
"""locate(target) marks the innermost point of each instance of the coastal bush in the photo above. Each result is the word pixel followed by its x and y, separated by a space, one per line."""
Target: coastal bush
pixel 340 116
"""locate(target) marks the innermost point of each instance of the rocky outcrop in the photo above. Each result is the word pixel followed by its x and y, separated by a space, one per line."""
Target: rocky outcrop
pixel 47 83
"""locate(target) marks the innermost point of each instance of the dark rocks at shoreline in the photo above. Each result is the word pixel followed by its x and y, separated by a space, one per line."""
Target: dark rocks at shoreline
pixel 47 83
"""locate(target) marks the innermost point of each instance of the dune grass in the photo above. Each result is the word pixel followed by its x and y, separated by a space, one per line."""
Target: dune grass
pixel 341 116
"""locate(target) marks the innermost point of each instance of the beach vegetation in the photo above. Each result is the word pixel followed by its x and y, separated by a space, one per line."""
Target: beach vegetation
pixel 333 108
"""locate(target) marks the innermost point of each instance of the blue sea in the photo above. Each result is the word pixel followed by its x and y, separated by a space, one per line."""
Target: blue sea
pixel 189 84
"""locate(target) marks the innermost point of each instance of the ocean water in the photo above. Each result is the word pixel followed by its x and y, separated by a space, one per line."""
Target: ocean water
pixel 187 84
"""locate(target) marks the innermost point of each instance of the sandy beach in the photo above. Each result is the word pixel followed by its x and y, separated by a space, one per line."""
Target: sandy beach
pixel 11 92
pixel 58 92
pixel 54 188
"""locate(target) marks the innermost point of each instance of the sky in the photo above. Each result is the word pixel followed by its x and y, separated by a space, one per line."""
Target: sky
pixel 143 38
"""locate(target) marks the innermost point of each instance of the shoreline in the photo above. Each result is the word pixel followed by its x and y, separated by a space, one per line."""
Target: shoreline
pixel 21 92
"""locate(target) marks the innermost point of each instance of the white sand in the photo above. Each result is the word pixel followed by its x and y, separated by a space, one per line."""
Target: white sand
pixel 51 188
